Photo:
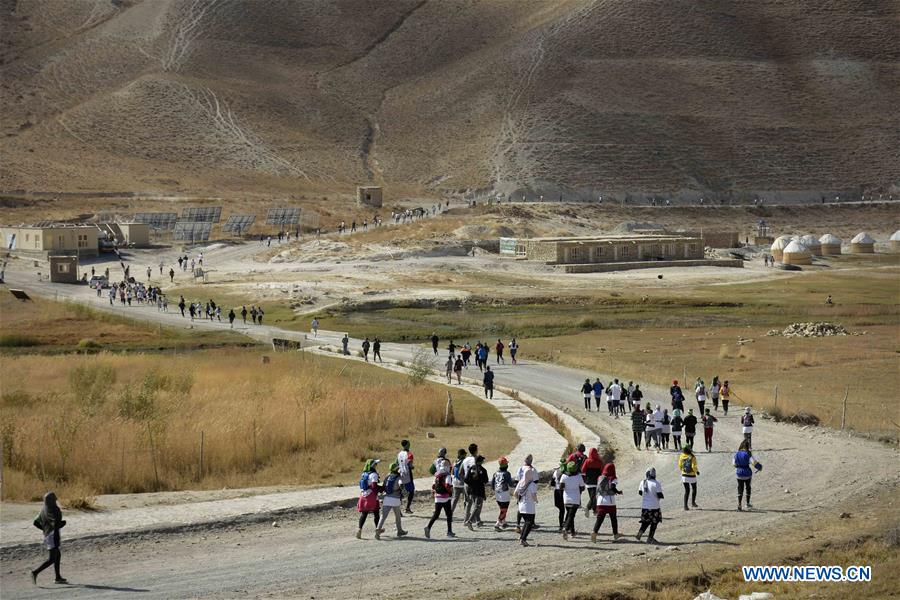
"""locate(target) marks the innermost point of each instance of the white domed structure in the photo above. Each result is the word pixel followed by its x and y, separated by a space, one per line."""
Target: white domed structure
pixel 812 244
pixel 796 254
pixel 831 244
pixel 863 243
pixel 895 241
pixel 778 247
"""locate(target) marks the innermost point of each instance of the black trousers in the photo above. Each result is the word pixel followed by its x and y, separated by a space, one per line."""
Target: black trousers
pixel 690 489
pixel 362 518
pixel 55 557
pixel 438 507
pixel 612 519
pixel 637 438
pixel 571 511
pixel 742 485
pixel 644 528
pixel 529 525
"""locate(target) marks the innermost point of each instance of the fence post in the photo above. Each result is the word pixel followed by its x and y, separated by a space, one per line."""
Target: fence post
pixel 254 444
pixel 448 412
pixel 344 420
pixel 305 442
pixel 776 396
pixel 200 477
pixel 844 408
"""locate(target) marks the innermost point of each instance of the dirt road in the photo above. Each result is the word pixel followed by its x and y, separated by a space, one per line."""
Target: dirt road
pixel 806 472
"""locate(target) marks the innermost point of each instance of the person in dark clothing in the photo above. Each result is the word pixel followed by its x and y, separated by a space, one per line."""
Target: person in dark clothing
pixel 434 342
pixel 586 389
pixel 677 426
pixel 376 350
pixel 591 468
pixel 677 396
pixel 637 395
pixel 181 305
pixel 637 424
pixel 171 275
pixel 476 480
pixel 690 428
pixel 488 383
pixel 557 492
pixel 50 521
pixel 231 317
pixel 365 349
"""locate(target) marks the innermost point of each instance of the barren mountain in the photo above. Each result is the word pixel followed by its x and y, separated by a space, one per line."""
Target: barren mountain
pixel 669 97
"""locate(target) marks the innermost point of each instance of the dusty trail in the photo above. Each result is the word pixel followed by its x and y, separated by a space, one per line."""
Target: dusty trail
pixel 807 472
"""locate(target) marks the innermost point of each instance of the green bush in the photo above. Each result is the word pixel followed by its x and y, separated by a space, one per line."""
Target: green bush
pixel 89 344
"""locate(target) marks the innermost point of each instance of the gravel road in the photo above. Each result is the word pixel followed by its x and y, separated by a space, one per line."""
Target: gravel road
pixel 316 556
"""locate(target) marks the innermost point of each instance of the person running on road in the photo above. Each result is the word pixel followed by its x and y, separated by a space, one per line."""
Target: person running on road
pixel 466 354
pixel 586 389
pixel 315 327
pixel 467 464
pixel 171 275
pixel 526 494
pixel 677 396
pixel 368 495
pixel 677 426
pixel 700 394
pixel 637 424
pixel 690 428
pixel 393 498
pixel 441 459
pixel 747 427
pixel 591 469
pixel 742 461
pixel 726 397
pixel 572 485
pixel 499 348
pixel 607 491
pixel 483 354
pixel 513 350
pixel 259 315
pixel 651 492
pixel 598 388
pixel 666 429
pixel 687 464
pixel 244 314
pixel 345 342
pixel 451 347
pixel 405 460
pixel 555 480
pixel 448 367
pixel 365 349
pixel 637 396
pixel 476 482
pixel 615 391
pixel 714 389
pixel 231 317
pixel 488 383
pixel 253 313
pixel 442 489
pixel 376 350
pixel 709 422
pixel 434 343
pixel 50 521
pixel 459 487
pixel 457 369
pixel 501 482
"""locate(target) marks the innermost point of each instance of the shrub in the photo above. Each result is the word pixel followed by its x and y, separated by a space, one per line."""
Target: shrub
pixel 420 367
pixel 17 398
pixel 89 344
pixel 802 359
pixel 587 323
pixel 81 503
pixel 16 340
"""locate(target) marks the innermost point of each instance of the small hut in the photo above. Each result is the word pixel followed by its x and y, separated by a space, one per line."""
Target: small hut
pixel 863 243
pixel 779 245
pixel 831 244
pixel 812 244
pixel 796 254
pixel 63 269
pixel 895 241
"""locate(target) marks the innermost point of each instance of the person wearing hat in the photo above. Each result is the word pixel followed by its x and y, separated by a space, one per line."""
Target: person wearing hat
pixel 442 488
pixel 441 458
pixel 606 501
pixel 572 485
pixel 709 422
pixel 476 482
pixel 501 482
pixel 368 495
pixel 651 492
pixel 393 497
pixel 747 427
pixel 50 521
pixel 742 461
pixel 405 460
pixel 687 464
pixel 555 480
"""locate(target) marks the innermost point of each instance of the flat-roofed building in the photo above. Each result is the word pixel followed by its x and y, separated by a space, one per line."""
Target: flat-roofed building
pixel 606 248
pixel 80 240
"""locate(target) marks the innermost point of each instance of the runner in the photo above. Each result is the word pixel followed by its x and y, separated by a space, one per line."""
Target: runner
pixel 571 484
pixel 466 354
pixel 457 368
pixel 690 428
pixel 405 460
pixel 345 341
pixel 467 464
pixel 700 394
pixel 499 348
pixel 586 389
pixel 599 388
pixel 747 427
pixel 488 383
pixel 457 481
pixel 441 459
pixel 687 464
pixel 376 350
pixel 714 390
pixel 637 424
pixel 393 498
pixel 708 424
pixel 231 317
pixel 743 458
pixel 50 521
pixel 451 347
pixel 365 349
pixel 243 314
pixel 726 396
pixel 677 395
pixel 501 482
pixel 476 482
pixel 666 429
pixel 591 468
pixel 637 396
pixel 526 494
pixel 434 343
pixel 513 350
pixel 368 495
pixel 651 493
pixel 607 491
pixel 442 490
pixel 555 479
pixel 628 395
pixel 449 368
pixel 616 393
pixel 677 425
pixel 315 327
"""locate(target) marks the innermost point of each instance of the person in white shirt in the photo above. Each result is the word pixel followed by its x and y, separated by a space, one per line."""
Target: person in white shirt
pixel 615 392
pixel 572 485
pixel 467 463
pixel 526 494
pixel 658 416
pixel 651 493
pixel 526 472
pixel 315 327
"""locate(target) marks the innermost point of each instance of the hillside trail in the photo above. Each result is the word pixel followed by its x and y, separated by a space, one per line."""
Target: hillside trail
pixel 808 473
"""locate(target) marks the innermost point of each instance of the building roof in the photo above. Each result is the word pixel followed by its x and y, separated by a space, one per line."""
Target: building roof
pixel 797 248
pixel 896 236
pixel 615 238
pixel 863 238
pixel 830 239
pixel 780 243
pixel 810 241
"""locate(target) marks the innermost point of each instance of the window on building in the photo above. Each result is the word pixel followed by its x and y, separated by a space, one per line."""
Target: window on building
pixel 27 237
pixel 573 255
pixel 625 251
pixel 62 268
pixel 692 248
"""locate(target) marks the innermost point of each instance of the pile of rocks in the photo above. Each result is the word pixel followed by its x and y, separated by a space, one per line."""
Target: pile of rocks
pixel 811 330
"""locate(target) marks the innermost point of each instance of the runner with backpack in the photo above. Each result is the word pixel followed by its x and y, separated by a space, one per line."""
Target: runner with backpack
pixel 572 485
pixel 726 397
pixel 742 461
pixel 687 464
pixel 467 463
pixel 393 498
pixel 476 482
pixel 747 427
pixel 714 388
pixel 443 489
pixel 441 459
pixel 606 501
pixel 405 460
pixel 501 482
pixel 368 495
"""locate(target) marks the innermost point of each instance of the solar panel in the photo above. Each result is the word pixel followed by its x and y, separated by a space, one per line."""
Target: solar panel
pixel 309 219
pixel 238 223
pixel 283 216
pixel 45 223
pixel 159 221
pixel 192 231
pixel 207 214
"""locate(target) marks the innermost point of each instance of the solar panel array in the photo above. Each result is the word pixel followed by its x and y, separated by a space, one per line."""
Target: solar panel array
pixel 159 221
pixel 192 231
pixel 207 214
pixel 45 223
pixel 283 216
pixel 238 223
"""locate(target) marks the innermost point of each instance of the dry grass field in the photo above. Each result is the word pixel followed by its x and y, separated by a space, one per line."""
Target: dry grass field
pixel 118 423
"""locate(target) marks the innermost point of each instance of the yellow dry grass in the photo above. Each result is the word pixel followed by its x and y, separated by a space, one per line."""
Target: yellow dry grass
pixel 298 419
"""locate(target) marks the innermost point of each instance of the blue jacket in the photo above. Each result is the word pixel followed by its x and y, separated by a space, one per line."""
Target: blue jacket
pixel 742 460
pixel 598 389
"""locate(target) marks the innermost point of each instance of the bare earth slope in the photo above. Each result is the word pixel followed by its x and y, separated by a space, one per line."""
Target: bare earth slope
pixel 589 97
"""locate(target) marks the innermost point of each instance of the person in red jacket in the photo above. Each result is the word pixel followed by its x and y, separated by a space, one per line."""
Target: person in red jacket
pixel 591 468
pixel 499 347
